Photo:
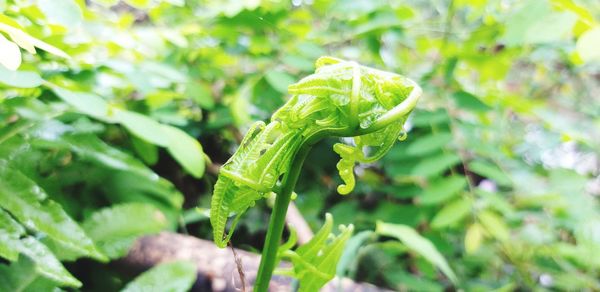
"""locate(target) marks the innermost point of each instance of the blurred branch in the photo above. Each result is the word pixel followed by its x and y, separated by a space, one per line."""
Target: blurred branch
pixel 217 268
pixel 295 219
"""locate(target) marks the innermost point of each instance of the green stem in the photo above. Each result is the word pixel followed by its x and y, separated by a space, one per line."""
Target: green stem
pixel 277 221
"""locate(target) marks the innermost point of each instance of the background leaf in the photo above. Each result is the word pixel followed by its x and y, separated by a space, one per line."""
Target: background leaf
pixel 494 225
pixel 417 243
pixel 435 164
pixel 20 79
pixel 87 103
pixel 489 170
pixel 10 54
pixel 279 80
pixel 27 202
pixel 186 150
pixel 143 127
pixel 473 238
pixel 442 189
pixel 452 213
pixel 428 144
pixel 175 276
pixel 114 229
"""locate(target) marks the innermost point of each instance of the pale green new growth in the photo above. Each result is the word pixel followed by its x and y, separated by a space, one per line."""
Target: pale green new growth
pixel 340 99
pixel 315 262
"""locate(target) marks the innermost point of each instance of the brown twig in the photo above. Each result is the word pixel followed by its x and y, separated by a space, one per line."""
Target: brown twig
pixel 240 269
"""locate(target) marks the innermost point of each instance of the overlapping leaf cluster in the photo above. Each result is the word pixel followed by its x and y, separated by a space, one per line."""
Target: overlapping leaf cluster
pixel 67 190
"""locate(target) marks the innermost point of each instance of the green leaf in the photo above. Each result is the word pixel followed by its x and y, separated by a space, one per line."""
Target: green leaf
pixel 46 264
pixel 186 150
pixel 518 24
pixel 584 14
pixel 452 213
pixel 442 189
pixel 494 225
pixel 143 127
pixel 10 54
pixel 426 118
pixel 201 94
pixel 429 143
pixel 9 225
pixel 39 260
pixel 298 62
pixel 551 28
pixel 381 21
pixel 24 199
pixel 10 232
pixel 195 215
pixel 279 80
pixel 21 79
pixel 42 284
pixel 239 102
pixel 64 12
pixel 147 151
pixel 28 42
pixel 537 23
pixel 93 149
pixel 86 103
pixel 175 276
pixel 473 238
pixel 115 229
pixel 490 171
pixel 349 256
pixel 588 44
pixel 405 281
pixel 435 164
pixel 18 275
pixel 16 33
pixel 468 101
pixel 30 274
pixel 315 262
pixel 355 9
pixel 160 73
pixel 418 244
pixel 310 249
pixel 47 47
pixel 129 187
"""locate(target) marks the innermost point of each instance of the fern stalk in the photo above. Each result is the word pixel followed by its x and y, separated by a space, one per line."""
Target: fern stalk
pixel 277 221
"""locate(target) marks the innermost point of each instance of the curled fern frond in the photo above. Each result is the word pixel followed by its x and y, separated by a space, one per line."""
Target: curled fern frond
pixel 343 99
pixel 345 166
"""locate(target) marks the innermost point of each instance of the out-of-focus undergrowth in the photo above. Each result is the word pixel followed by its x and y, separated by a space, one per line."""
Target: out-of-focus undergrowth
pixel 115 115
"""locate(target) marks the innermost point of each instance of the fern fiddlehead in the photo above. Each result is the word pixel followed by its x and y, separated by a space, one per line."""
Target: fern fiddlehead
pixel 341 99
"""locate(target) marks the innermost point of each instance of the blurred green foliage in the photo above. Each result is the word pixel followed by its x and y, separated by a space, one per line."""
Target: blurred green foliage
pixel 110 110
